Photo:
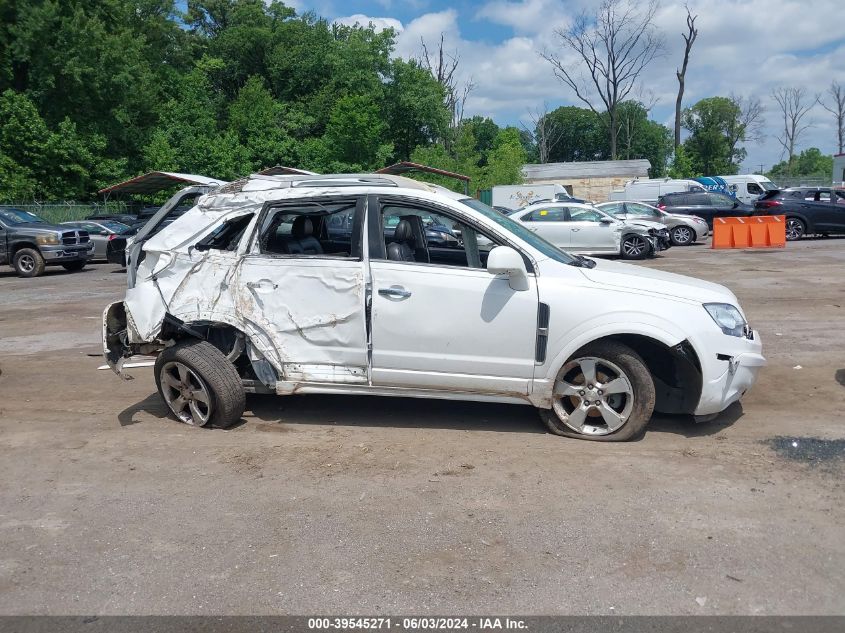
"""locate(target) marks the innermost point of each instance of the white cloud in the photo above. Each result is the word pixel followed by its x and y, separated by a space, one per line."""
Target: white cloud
pixel 746 47
pixel 380 24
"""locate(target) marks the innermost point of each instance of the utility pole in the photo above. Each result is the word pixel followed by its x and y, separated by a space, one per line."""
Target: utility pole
pixel 761 169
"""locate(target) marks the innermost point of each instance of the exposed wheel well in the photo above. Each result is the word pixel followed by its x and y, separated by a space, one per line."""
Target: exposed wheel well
pixel 676 371
pixel 18 246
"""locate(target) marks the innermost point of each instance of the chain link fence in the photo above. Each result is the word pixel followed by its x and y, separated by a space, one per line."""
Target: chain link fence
pixel 56 212
pixel 801 181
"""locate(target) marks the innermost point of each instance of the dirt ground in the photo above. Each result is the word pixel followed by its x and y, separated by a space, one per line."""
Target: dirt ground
pixel 378 505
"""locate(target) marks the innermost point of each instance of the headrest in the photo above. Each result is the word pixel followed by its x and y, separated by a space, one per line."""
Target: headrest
pixel 302 227
pixel 403 232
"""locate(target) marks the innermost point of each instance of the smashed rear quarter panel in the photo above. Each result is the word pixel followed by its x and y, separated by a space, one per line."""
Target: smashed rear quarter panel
pixel 306 316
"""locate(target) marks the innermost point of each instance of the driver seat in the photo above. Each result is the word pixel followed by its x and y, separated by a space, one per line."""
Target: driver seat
pixel 401 249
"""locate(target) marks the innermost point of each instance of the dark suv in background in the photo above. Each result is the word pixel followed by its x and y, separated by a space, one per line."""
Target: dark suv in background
pixel 808 210
pixel 704 204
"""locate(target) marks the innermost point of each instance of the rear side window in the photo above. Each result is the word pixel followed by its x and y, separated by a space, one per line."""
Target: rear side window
pixel 551 214
pixel 330 229
pixel 227 236
pixel 614 208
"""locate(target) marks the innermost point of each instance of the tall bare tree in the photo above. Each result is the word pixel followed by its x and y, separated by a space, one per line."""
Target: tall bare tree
pixel 747 127
pixel 689 39
pixel 443 66
pixel 837 109
pixel 613 46
pixel 794 104
pixel 545 132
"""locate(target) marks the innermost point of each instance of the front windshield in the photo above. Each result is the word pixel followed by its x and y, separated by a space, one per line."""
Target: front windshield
pixel 767 185
pixel 16 216
pixel 520 230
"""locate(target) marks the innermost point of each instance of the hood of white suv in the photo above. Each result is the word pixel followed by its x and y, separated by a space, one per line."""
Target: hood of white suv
pixel 638 278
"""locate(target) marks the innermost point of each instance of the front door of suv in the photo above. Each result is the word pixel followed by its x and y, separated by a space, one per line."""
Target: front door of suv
pixel 446 323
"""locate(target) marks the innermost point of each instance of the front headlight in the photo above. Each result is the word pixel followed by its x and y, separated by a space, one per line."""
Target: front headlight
pixel 727 317
pixel 47 239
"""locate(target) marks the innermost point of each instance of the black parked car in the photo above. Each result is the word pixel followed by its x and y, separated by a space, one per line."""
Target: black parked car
pixel 808 210
pixel 704 204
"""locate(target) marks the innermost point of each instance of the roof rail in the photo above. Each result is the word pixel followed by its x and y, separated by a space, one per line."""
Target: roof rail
pixel 343 180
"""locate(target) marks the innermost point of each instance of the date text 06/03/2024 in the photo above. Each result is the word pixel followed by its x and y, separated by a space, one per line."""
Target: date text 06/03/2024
pixel 416 623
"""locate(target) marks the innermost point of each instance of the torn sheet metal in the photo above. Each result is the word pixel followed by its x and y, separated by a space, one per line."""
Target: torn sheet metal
pixel 305 317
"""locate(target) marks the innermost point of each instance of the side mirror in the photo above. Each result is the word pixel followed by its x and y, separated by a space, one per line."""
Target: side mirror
pixel 605 221
pixel 503 260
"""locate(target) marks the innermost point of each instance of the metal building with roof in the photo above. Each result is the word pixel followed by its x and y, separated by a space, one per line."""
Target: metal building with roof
pixel 591 180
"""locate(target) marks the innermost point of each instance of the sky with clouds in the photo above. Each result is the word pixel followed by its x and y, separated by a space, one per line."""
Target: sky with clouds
pixel 744 47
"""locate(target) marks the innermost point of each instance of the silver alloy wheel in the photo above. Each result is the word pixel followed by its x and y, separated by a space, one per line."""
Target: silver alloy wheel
pixel 634 246
pixel 794 228
pixel 682 235
pixel 185 393
pixel 26 263
pixel 593 396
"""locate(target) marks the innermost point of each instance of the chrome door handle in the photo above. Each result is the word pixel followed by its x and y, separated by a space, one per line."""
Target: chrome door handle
pixel 395 291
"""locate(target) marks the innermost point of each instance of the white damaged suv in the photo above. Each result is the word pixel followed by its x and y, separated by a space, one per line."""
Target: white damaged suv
pixel 375 284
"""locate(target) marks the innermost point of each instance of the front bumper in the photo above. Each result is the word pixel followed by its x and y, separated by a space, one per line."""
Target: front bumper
pixel 60 254
pixel 731 375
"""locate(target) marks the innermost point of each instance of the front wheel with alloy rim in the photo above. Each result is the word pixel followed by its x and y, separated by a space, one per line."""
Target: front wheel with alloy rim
pixel 795 229
pixel 603 393
pixel 634 247
pixel 28 262
pixel 199 384
pixel 682 236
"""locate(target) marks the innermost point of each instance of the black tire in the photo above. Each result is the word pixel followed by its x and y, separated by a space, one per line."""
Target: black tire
pixel 74 266
pixel 638 377
pixel 682 235
pixel 217 374
pixel 795 229
pixel 640 250
pixel 28 262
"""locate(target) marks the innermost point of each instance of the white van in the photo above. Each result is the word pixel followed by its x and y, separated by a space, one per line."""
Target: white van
pixel 747 188
pixel 650 189
pixel 520 196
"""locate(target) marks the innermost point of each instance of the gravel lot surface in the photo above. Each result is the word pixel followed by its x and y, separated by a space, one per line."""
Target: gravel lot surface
pixel 378 505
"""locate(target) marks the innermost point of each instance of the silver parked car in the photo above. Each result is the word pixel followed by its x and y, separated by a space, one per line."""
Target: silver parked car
pixel 683 229
pixel 584 229
pixel 101 232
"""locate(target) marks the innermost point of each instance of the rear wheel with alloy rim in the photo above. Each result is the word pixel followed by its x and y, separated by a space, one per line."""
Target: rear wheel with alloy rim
pixel 795 229
pixel 604 393
pixel 634 247
pixel 200 385
pixel 682 236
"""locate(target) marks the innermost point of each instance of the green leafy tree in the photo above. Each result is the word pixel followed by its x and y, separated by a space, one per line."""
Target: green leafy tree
pixel 640 137
pixel 582 136
pixel 809 163
pixel 681 166
pixel 354 134
pixel 414 109
pixel 716 127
